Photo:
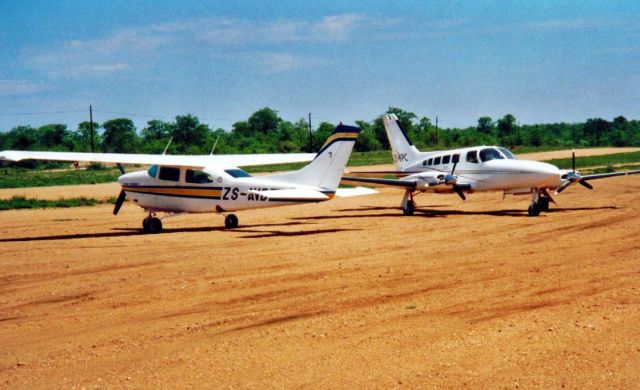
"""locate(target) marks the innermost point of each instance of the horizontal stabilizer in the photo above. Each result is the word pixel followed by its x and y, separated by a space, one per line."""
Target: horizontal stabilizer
pixel 357 191
pixel 292 195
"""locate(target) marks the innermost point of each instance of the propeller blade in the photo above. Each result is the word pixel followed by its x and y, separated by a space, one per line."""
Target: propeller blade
pixel 584 183
pixel 119 202
pixel 459 192
pixel 563 186
pixel 573 160
pixel 454 167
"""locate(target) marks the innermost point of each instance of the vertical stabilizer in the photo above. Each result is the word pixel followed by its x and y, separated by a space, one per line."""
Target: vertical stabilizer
pixel 404 153
pixel 327 168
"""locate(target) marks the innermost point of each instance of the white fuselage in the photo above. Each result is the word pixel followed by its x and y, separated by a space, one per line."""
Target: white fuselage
pixel 212 190
pixel 500 173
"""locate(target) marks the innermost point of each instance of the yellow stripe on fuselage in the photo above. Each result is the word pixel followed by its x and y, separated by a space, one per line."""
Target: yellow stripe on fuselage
pixel 340 135
pixel 176 191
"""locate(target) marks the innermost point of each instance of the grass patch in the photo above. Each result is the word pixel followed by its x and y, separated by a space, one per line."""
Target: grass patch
pixel 21 202
pixel 21 177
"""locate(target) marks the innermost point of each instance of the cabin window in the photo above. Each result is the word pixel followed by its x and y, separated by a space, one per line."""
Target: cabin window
pixel 197 177
pixel 445 159
pixel 152 171
pixel 237 173
pixel 507 154
pixel 169 174
pixel 472 156
pixel 436 161
pixel 424 163
pixel 489 154
pixel 455 158
pixel 430 161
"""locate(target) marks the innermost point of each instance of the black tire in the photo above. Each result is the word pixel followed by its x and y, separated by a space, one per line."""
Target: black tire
pixel 534 210
pixel 154 225
pixel 543 204
pixel 145 224
pixel 231 221
pixel 409 208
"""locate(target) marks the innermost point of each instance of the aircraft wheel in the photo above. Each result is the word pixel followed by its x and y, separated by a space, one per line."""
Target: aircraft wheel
pixel 145 224
pixel 543 204
pixel 409 208
pixel 534 210
pixel 231 221
pixel 154 225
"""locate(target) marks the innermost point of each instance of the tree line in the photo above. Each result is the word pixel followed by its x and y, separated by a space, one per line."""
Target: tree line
pixel 266 132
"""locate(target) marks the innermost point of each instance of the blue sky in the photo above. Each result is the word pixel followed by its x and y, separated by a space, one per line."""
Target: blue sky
pixel 544 61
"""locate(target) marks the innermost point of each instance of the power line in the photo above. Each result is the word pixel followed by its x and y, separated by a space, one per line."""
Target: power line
pixel 42 113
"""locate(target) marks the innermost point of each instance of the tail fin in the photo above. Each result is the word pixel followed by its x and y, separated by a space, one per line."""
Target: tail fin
pixel 404 153
pixel 327 168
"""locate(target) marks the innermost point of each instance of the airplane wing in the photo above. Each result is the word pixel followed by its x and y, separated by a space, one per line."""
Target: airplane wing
pixel 194 161
pixel 612 174
pixel 385 182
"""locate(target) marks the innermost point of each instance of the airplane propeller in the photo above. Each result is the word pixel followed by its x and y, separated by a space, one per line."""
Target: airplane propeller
pixel 122 196
pixel 451 179
pixel 119 202
pixel 573 177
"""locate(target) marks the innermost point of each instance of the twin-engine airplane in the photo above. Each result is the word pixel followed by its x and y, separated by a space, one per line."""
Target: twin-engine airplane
pixel 467 170
pixel 214 183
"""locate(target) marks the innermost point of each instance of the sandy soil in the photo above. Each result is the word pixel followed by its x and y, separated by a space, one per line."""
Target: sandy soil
pixel 345 294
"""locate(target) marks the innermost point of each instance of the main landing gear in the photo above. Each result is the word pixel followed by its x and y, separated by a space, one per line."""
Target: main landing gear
pixel 231 221
pixel 152 224
pixel 539 202
pixel 408 205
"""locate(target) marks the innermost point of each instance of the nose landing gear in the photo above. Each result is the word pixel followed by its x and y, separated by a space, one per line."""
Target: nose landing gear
pixel 539 202
pixel 152 224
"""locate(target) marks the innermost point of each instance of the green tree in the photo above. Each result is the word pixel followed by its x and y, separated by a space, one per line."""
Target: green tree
pixel 264 121
pixel 189 135
pixel 485 125
pixel 83 136
pixel 52 136
pixel 119 136
pixel 506 126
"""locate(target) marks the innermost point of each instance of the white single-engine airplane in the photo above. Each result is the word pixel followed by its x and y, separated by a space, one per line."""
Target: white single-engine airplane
pixel 467 170
pixel 214 183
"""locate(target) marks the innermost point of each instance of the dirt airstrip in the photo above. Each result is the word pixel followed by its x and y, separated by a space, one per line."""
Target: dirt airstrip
pixel 347 293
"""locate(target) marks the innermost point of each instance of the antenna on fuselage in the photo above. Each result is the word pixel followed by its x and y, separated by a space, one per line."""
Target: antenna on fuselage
pixel 167 147
pixel 214 145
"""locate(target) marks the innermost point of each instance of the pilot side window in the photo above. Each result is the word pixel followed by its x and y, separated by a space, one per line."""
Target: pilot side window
pixel 169 174
pixel 430 161
pixel 445 159
pixel 472 156
pixel 455 158
pixel 197 177
pixel 436 161
pixel 424 163
pixel 489 154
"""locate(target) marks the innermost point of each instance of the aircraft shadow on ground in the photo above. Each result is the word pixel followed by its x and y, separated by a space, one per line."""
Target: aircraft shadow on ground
pixel 441 213
pixel 126 232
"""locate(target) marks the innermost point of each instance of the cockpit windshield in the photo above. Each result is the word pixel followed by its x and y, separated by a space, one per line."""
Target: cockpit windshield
pixel 152 171
pixel 489 154
pixel 237 173
pixel 507 154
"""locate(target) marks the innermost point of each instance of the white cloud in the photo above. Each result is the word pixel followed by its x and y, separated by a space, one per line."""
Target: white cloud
pixel 130 47
pixel 21 87
pixel 279 62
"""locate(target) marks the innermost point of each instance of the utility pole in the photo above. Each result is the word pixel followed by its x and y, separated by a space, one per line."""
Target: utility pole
pixel 310 136
pixel 91 126
pixel 436 132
